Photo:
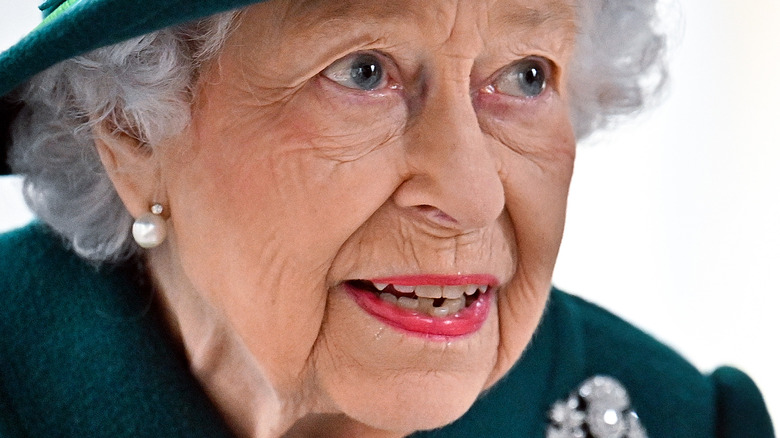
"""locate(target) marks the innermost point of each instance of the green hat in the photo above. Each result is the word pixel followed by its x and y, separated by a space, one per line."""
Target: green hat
pixel 73 27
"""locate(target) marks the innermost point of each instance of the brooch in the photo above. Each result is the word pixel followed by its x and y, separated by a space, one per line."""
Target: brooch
pixel 600 408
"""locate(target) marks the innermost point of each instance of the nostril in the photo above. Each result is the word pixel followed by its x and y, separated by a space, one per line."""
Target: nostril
pixel 436 214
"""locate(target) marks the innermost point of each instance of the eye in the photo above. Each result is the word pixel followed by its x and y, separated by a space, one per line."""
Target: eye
pixel 360 71
pixel 525 78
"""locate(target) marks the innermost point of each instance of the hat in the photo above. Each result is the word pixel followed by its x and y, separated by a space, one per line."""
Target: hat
pixel 73 27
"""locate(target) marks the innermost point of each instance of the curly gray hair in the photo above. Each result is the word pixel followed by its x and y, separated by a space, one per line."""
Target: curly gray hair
pixel 143 87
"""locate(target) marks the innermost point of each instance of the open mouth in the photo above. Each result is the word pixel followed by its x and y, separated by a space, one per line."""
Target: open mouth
pixel 434 300
pixel 439 306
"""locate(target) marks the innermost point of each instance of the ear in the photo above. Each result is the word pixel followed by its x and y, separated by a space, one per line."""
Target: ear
pixel 132 167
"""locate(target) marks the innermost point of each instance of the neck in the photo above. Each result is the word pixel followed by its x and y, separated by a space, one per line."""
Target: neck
pixel 218 358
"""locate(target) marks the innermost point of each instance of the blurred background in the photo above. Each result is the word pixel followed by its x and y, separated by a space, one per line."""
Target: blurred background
pixel 674 217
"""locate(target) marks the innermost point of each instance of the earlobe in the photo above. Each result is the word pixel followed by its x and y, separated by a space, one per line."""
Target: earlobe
pixel 132 168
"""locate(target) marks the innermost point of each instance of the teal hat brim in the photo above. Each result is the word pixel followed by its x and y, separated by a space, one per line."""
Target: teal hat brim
pixel 78 26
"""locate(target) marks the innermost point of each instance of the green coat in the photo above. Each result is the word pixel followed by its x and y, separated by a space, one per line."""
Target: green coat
pixel 84 354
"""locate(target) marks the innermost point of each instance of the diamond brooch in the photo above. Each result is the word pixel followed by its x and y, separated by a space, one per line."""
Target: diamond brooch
pixel 599 408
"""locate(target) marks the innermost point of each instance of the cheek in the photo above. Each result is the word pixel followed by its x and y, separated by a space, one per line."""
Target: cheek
pixel 237 250
pixel 249 210
pixel 536 181
pixel 344 125
pixel 286 170
pixel 536 150
pixel 539 214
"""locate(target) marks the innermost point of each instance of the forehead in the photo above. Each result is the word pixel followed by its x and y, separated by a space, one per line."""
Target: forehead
pixel 515 14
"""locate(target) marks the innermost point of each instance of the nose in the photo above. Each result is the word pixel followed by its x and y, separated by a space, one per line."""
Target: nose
pixel 453 179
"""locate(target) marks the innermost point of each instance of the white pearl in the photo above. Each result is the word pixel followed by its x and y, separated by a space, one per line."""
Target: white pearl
pixel 149 230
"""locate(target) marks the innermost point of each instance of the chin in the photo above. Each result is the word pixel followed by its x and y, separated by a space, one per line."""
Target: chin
pixel 387 379
pixel 417 402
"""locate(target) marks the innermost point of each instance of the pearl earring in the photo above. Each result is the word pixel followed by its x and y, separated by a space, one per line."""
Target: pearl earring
pixel 149 230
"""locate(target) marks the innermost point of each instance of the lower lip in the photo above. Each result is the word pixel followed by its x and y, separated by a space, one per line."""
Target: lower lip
pixel 469 320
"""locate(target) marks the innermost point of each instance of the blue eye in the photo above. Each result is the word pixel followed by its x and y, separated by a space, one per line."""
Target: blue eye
pixel 362 71
pixel 525 78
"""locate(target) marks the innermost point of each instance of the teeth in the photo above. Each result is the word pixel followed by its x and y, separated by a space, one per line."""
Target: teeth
pixel 454 306
pixel 428 291
pixel 426 305
pixel 390 298
pixel 453 291
pixel 454 297
pixel 439 311
pixel 431 291
pixel 408 303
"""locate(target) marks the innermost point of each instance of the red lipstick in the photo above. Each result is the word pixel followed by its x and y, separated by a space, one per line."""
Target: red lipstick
pixel 467 320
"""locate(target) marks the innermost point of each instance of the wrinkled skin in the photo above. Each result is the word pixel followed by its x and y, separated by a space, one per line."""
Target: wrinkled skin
pixel 289 182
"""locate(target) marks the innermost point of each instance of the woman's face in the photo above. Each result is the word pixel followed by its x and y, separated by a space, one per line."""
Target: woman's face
pixel 337 147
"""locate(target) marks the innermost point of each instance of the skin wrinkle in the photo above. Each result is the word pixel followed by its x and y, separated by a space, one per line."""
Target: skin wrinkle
pixel 323 138
pixel 411 248
pixel 447 248
pixel 557 13
pixel 443 180
pixel 316 12
pixel 545 42
pixel 318 20
pixel 453 35
pixel 263 97
pixel 328 147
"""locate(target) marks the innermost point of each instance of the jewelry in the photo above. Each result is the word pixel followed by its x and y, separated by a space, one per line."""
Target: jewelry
pixel 600 408
pixel 149 230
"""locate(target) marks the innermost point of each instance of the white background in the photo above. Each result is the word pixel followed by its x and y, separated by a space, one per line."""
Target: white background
pixel 674 219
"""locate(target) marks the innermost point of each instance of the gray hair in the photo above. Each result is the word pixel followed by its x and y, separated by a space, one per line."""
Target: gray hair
pixel 619 64
pixel 143 87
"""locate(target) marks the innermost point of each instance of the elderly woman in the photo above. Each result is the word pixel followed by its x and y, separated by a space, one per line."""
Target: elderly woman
pixel 324 218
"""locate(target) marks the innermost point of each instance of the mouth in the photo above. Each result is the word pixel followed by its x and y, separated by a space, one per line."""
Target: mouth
pixel 430 306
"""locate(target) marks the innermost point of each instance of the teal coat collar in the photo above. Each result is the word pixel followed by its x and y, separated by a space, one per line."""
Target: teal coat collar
pixel 83 352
